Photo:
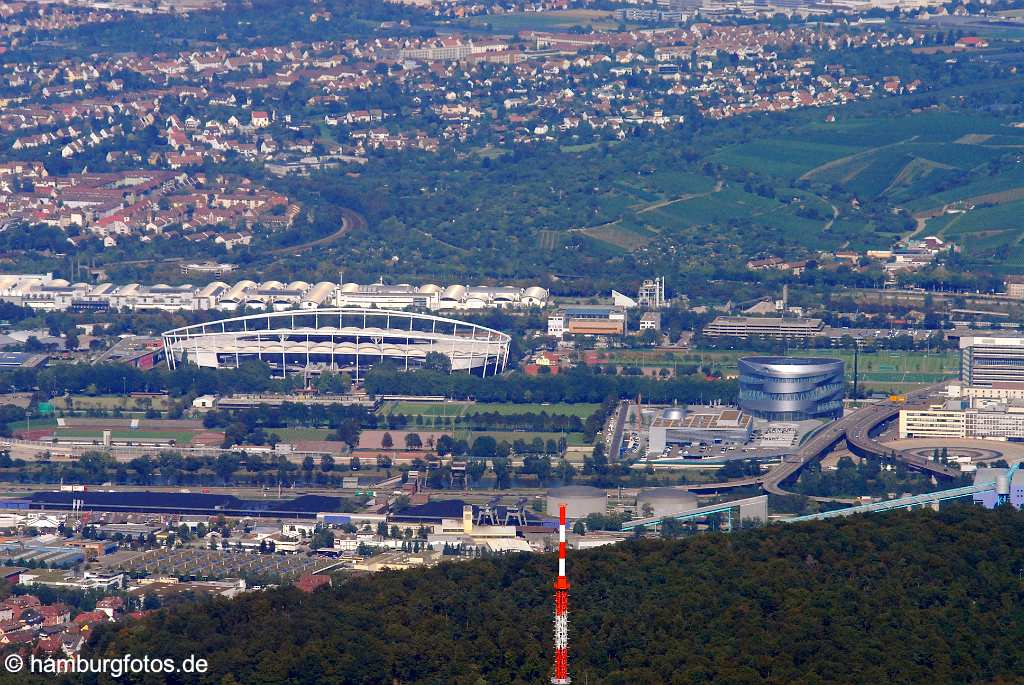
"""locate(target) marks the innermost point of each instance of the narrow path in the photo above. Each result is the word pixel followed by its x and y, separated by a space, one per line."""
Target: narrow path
pixel 682 198
pixel 835 215
pixel 807 175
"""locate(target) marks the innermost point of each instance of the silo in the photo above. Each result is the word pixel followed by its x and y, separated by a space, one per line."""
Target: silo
pixel 579 500
pixel 1003 486
pixel 665 501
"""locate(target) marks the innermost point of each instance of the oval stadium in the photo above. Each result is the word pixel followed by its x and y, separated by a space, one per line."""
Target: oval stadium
pixel 343 339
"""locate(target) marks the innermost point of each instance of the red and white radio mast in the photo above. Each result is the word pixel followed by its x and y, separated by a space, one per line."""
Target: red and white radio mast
pixel 561 676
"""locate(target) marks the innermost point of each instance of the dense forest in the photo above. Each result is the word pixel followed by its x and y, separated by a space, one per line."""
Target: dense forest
pixel 921 597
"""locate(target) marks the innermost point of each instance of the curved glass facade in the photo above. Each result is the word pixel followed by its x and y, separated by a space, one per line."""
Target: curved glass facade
pixel 791 388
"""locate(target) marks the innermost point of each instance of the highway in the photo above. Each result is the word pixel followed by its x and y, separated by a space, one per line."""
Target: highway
pixel 856 429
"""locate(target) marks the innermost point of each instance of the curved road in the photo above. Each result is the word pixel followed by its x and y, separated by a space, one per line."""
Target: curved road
pixel 856 429
pixel 350 221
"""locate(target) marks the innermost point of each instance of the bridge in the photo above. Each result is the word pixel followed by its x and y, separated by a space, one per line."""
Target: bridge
pixel 757 507
pixel 1001 486
pixel 925 500
pixel 739 510
pixel 858 430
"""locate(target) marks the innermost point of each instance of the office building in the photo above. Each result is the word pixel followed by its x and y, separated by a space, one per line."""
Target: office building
pixel 992 362
pixel 763 327
pixel 938 421
pixel 975 418
pixel 588 320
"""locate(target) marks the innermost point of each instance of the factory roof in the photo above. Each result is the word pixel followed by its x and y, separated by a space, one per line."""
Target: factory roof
pixel 705 419
pixel 21 359
pixel 184 502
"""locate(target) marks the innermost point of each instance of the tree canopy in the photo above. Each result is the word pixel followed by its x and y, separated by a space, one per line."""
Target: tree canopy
pixel 902 598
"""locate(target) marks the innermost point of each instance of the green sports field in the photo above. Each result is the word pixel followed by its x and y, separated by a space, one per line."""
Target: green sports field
pixel 883 370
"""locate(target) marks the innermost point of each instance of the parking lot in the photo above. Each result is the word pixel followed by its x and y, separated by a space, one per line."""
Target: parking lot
pixel 209 564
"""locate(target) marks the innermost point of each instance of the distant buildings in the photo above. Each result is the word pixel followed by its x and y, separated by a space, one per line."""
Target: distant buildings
pixel 44 292
pixel 588 320
pixel 652 15
pixel 434 297
pixel 987 402
pixel 652 293
pixel 994 363
pixel 763 327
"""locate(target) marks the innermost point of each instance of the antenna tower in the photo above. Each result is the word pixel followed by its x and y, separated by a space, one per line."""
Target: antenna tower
pixel 561 676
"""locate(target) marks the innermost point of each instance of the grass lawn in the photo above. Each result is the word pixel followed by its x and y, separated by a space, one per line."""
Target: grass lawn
pixel 582 410
pixel 424 408
pixel 34 424
pixel 883 367
pixel 109 402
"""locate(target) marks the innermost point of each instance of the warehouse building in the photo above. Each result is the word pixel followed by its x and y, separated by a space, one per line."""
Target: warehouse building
pixel 699 425
pixel 588 320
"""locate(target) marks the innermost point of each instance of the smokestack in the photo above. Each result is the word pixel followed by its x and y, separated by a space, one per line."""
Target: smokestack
pixel 561 676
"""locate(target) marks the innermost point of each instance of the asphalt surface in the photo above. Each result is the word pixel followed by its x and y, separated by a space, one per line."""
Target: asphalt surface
pixel 855 428
pixel 620 421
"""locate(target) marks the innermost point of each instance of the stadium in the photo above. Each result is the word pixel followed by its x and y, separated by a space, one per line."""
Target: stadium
pixel 344 339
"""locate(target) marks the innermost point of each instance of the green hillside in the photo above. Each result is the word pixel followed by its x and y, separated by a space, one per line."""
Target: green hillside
pixel 904 598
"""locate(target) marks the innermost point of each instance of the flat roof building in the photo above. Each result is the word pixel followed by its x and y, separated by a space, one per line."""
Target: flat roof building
pixel 977 419
pixel 763 327
pixel 937 421
pixel 588 320
pixel 683 425
pixel 989 361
